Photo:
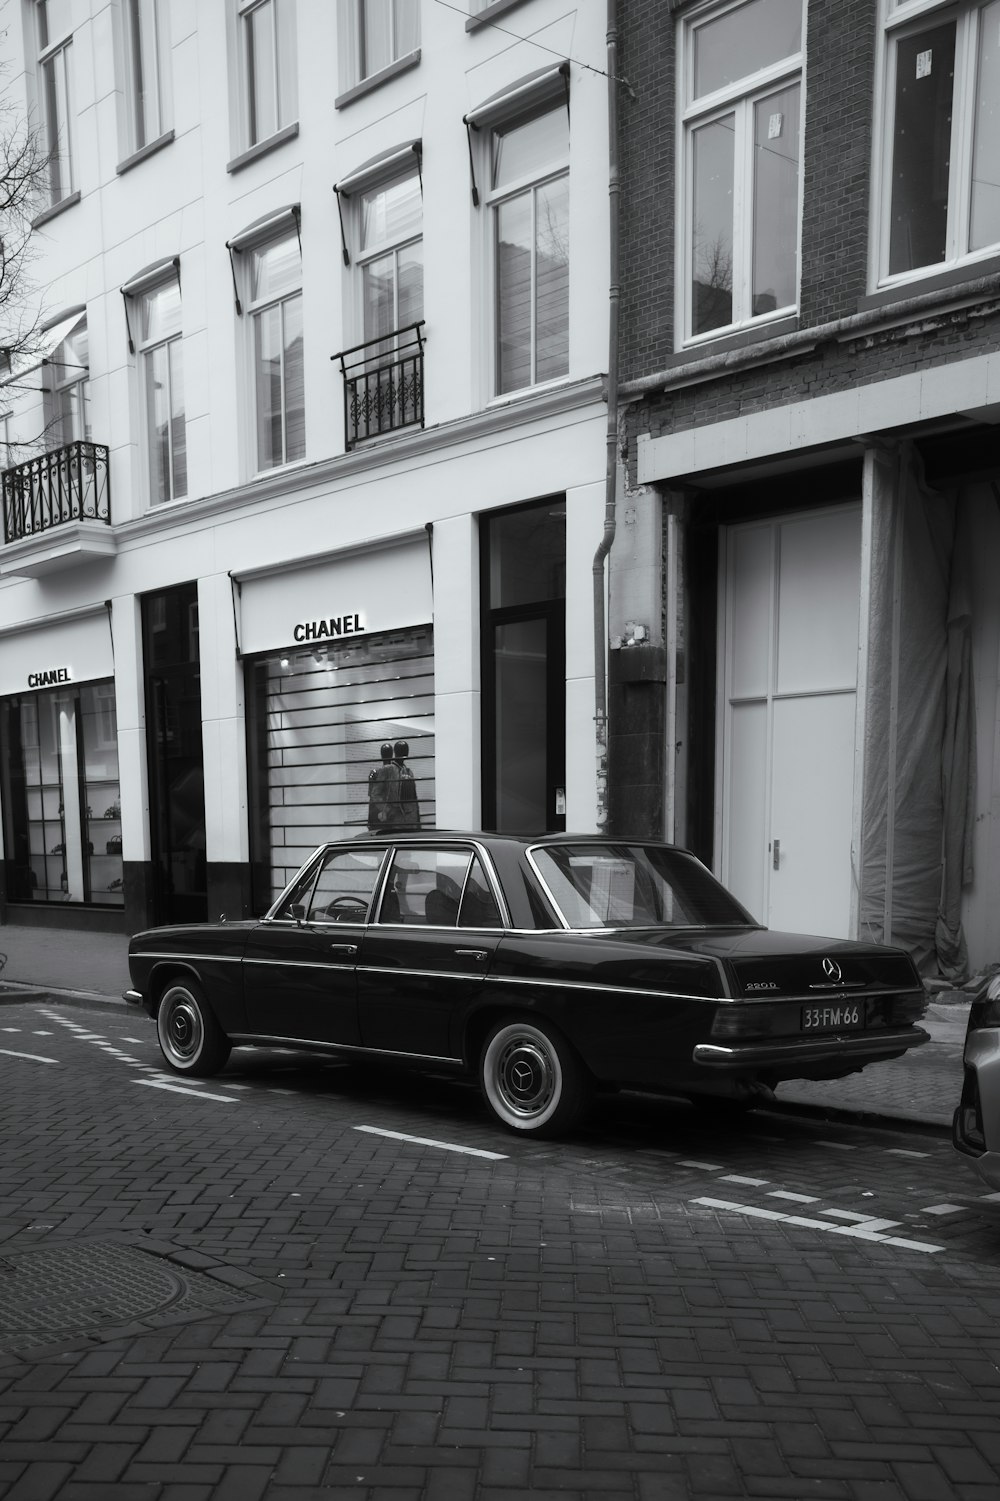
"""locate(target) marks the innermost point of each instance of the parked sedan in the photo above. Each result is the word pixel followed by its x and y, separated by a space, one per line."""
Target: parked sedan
pixel 546 968
pixel 976 1130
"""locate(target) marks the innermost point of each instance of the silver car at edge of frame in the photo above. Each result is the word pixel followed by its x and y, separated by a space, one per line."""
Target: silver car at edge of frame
pixel 976 1129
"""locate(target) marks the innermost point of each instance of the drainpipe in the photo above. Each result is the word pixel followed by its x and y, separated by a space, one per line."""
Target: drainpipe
pixel 600 627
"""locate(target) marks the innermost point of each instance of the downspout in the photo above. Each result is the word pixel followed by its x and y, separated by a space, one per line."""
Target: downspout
pixel 600 626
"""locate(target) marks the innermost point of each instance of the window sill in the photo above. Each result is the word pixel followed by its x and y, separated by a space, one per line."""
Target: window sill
pixel 150 149
pixel 55 209
pixel 931 281
pixel 376 80
pixel 739 338
pixel 262 148
pixel 490 12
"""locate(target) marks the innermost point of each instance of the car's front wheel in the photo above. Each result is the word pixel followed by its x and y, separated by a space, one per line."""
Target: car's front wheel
pixel 190 1038
pixel 531 1079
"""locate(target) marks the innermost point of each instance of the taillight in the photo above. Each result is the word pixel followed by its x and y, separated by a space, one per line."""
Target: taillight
pixel 985 1010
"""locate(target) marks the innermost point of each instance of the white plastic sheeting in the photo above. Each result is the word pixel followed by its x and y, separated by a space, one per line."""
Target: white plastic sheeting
pixel 919 724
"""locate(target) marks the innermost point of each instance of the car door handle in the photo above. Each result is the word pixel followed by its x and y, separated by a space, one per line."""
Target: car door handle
pixel 343 948
pixel 471 953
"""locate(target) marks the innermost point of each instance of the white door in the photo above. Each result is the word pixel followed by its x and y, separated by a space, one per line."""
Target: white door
pixel 789 633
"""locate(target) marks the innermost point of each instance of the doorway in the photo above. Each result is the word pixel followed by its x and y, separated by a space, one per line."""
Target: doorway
pixel 174 753
pixel 523 590
pixel 790 602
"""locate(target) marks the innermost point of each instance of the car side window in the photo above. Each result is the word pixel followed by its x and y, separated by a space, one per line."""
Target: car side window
pixel 341 891
pixel 479 906
pixel 425 887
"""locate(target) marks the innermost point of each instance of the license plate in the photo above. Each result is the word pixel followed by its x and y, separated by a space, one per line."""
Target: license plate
pixel 846 1016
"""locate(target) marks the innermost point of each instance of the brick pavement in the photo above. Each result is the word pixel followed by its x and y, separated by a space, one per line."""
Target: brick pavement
pixel 448 1327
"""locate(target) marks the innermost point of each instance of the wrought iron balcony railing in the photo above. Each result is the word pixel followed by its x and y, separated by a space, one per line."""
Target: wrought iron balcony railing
pixel 383 384
pixel 67 484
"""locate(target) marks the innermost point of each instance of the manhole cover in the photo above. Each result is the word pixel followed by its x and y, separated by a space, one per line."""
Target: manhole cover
pixel 63 1292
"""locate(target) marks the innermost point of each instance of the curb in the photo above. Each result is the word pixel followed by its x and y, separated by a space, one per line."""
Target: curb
pixel 14 993
pixel 865 1119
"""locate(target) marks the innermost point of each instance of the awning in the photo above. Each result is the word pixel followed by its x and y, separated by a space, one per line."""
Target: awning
pixel 43 347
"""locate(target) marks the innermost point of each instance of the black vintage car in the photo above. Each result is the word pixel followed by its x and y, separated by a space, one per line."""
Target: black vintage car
pixel 546 967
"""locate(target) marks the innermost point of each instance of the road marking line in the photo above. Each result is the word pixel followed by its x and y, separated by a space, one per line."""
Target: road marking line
pixel 35 1058
pixel 428 1141
pixel 226 1099
pixel 863 1221
pixel 902 1152
pixel 780 1193
pixel 989 1198
pixel 41 1034
pixel 751 1182
pixel 10 1029
pixel 837 1146
pixel 856 1232
pixel 943 1209
pixel 705 1167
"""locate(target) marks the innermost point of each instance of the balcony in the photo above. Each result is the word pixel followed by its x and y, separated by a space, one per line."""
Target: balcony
pixel 56 510
pixel 383 384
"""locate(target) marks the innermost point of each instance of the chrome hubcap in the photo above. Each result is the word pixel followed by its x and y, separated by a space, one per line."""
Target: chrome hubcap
pixel 182 1031
pixel 525 1077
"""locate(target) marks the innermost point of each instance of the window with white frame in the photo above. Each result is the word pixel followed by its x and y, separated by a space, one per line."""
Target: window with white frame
pixel 375 34
pixel 528 203
pixel 147 53
pixel 390 260
pixel 940 136
pixel 274 270
pixel 268 74
pixel 158 346
pixel 55 51
pixel 739 168
pixel 67 389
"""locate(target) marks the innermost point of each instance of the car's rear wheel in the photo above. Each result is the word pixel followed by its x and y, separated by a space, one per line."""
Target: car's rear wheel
pixel 531 1079
pixel 190 1038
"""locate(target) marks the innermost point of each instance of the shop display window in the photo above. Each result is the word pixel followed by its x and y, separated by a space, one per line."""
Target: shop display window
pixel 324 725
pixel 61 796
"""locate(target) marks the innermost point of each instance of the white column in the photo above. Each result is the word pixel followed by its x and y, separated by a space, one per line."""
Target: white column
pixel 223 724
pixel 584 530
pixel 130 709
pixel 457 737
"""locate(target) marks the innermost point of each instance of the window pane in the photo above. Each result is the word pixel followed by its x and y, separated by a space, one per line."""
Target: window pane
pixel 160 313
pixel 521 709
pixel 527 552
pixel 712 227
pixel 552 279
pixel 145 70
pixel 57 114
pixel 391 213
pixel 531 149
pixel 410 273
pixel 260 73
pixel 407 19
pixel 378 279
pixel 479 905
pixel 984 225
pixel 178 439
pixel 55 20
pixel 275 268
pixel 267 349
pixel 739 43
pixel 776 201
pixel 513 307
pixel 921 148
pixel 295 403
pixel 158 422
pixel 376 35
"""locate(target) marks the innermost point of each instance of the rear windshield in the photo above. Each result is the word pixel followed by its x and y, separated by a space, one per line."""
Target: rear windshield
pixel 635 886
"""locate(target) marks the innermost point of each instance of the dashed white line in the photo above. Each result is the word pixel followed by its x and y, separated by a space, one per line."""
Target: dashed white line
pixel 225 1099
pixel 428 1141
pixel 750 1182
pixel 902 1152
pixel 942 1209
pixel 34 1057
pixel 837 1146
pixel 781 1193
pixel 705 1167
pixel 856 1232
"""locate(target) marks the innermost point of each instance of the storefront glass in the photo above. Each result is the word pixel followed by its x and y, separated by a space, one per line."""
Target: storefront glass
pixel 320 721
pixel 61 800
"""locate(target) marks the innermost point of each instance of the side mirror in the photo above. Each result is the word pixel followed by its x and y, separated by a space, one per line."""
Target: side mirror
pixel 298 911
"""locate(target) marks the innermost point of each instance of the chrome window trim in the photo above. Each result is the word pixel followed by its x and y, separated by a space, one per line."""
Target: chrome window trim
pixel 491 876
pixel 270 1039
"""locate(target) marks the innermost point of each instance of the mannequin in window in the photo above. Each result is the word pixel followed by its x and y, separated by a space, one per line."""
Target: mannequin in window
pixel 408 808
pixel 381 788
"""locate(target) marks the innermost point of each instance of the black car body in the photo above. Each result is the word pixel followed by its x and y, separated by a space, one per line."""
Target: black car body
pixel 546 966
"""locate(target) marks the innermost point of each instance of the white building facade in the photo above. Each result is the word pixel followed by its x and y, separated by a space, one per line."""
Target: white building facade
pixel 308 457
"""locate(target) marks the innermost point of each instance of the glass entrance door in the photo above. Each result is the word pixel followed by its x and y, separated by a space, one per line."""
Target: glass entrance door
pixel 174 752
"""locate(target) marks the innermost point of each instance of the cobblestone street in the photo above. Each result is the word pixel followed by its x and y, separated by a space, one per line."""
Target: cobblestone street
pixel 299 1279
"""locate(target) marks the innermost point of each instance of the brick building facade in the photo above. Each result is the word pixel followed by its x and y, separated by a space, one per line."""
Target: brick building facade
pixel 803 593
